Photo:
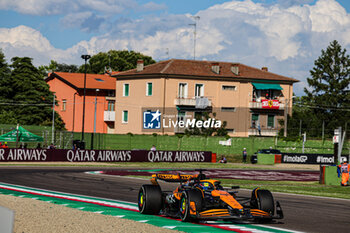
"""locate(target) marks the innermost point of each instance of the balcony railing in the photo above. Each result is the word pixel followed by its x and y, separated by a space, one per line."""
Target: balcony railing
pixel 274 104
pixel 195 101
pixel 109 116
pixel 263 132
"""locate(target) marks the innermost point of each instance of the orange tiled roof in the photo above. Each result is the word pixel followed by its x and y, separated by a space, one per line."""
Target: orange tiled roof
pixel 93 81
pixel 203 69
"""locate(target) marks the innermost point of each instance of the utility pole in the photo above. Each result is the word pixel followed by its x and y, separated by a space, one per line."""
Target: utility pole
pixel 82 143
pixel 53 119
pixel 93 134
pixel 286 116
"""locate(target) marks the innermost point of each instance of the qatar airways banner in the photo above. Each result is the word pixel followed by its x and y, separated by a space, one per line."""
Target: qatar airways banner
pixel 58 155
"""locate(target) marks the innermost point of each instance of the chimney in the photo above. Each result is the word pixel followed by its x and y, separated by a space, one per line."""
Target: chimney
pixel 215 68
pixel 139 66
pixel 264 68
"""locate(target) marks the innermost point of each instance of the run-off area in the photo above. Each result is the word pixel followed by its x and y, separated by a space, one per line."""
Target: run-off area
pixel 128 211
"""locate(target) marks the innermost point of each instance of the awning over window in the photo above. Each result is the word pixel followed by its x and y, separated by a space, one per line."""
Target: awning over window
pixel 267 86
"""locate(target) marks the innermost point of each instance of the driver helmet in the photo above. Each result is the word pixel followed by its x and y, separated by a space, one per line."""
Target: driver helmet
pixel 344 160
pixel 205 185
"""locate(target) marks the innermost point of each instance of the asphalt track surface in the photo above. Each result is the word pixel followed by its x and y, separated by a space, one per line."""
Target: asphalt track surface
pixel 302 213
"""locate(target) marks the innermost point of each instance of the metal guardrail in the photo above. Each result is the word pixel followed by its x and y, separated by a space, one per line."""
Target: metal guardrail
pixel 263 132
pixel 189 101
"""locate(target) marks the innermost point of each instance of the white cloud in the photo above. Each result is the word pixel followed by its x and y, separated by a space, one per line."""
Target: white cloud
pixel 54 7
pixel 24 41
pixel 23 36
pixel 151 6
pixel 38 7
pixel 86 21
pixel 287 39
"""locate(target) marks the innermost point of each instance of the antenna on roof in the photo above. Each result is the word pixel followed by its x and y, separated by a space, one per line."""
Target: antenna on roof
pixel 167 53
pixel 196 18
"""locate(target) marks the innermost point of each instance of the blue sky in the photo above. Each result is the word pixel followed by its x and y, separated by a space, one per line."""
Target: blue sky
pixel 284 35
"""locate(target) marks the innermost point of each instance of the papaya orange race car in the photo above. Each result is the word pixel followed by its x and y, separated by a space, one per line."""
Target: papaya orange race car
pixel 198 198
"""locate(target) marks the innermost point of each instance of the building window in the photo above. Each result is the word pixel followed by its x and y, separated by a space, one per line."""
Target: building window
pixel 271 121
pixel 149 89
pixel 64 105
pixel 228 88
pixel 111 93
pixel 199 90
pixel 230 130
pixel 125 116
pixel 228 109
pixel 255 120
pixel 182 90
pixel 126 90
pixel 181 116
pixel 111 105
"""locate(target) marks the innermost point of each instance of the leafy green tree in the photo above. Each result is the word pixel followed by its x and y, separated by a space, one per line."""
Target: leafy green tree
pixel 328 92
pixel 5 77
pixel 115 61
pixel 58 67
pixel 302 119
pixel 29 100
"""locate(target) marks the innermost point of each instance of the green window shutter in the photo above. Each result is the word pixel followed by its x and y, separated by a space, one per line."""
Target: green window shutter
pixel 149 89
pixel 126 89
pixel 271 121
pixel 125 116
pixel 255 117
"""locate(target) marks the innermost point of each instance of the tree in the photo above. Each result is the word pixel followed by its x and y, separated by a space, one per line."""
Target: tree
pixel 29 99
pixel 58 67
pixel 328 95
pixel 115 61
pixel 5 77
pixel 302 119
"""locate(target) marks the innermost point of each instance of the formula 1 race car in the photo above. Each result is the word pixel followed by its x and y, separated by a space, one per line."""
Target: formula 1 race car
pixel 198 198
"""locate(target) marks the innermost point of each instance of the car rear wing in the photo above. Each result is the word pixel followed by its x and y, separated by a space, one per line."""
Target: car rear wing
pixel 178 178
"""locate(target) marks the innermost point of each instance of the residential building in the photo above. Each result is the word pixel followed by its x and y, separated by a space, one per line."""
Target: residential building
pixel 247 98
pixel 99 100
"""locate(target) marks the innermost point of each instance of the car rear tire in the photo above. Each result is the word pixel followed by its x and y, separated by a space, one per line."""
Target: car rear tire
pixel 262 199
pixel 186 198
pixel 150 199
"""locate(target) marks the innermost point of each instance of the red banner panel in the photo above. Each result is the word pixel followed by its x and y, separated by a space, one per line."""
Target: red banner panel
pixel 270 104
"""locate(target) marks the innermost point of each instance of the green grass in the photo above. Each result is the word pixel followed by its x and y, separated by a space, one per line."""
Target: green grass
pixel 295 187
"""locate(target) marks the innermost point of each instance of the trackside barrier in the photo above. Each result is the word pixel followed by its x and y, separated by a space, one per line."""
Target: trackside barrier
pixel 329 175
pixel 213 157
pixel 61 155
pixel 266 159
